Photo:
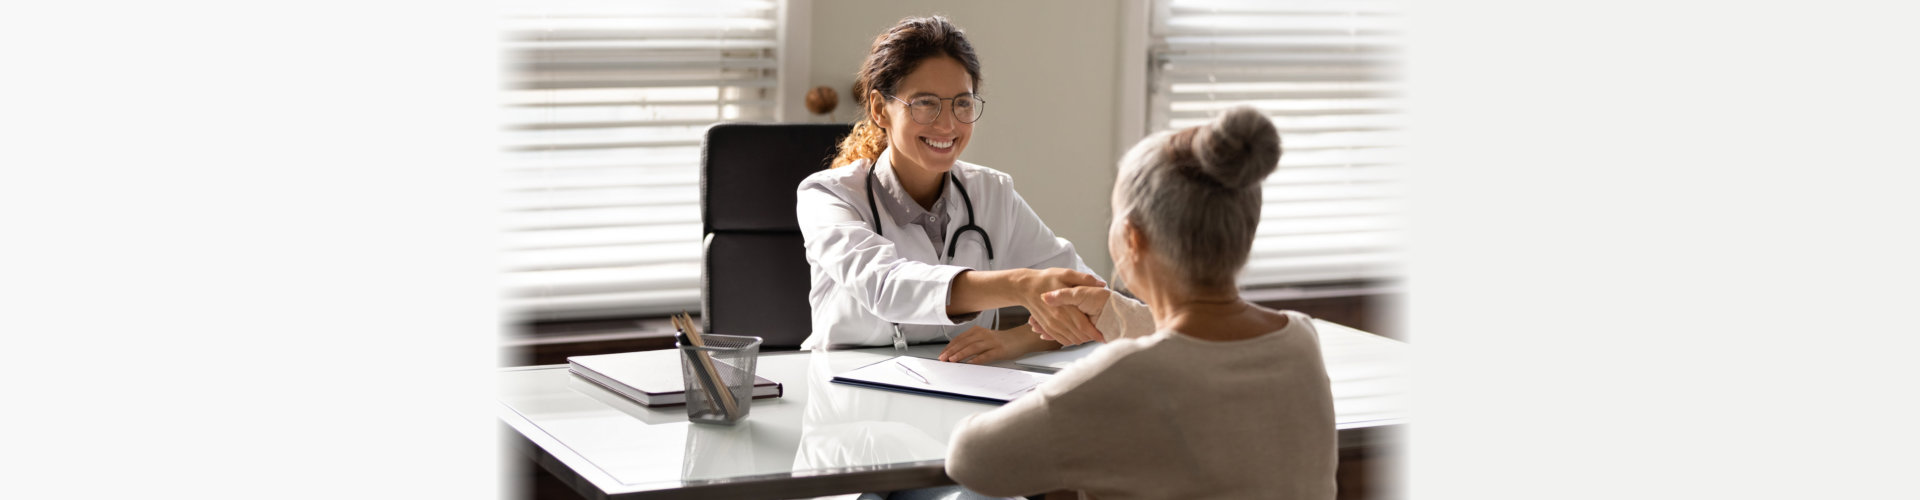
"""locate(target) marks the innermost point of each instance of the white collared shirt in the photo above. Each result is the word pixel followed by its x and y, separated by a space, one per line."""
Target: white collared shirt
pixel 902 207
pixel 863 282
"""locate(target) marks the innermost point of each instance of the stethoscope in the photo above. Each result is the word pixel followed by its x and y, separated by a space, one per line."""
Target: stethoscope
pixel 953 241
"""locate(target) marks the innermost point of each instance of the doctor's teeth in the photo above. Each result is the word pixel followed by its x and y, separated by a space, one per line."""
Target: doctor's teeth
pixel 930 142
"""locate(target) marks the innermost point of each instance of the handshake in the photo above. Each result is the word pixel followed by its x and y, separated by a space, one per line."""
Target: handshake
pixel 1064 303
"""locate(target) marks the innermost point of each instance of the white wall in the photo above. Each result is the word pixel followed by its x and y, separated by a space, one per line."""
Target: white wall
pixel 1050 79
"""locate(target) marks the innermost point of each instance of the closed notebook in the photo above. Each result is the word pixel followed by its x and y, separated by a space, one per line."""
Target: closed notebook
pixel 651 378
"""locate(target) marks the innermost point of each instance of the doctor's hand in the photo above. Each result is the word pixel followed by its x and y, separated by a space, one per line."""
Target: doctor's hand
pixel 1063 324
pixel 1089 300
pixel 981 345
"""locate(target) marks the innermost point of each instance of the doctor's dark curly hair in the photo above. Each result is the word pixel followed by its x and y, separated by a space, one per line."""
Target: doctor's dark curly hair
pixel 895 54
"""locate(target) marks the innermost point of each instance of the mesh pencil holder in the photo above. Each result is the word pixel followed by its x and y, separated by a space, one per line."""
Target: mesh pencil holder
pixel 719 376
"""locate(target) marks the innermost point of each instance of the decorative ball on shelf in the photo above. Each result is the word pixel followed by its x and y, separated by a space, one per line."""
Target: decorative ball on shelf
pixel 822 99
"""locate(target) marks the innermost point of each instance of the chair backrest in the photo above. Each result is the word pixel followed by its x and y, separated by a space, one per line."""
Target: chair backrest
pixel 753 278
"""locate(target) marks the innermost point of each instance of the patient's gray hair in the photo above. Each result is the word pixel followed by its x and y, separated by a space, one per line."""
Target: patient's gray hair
pixel 1195 193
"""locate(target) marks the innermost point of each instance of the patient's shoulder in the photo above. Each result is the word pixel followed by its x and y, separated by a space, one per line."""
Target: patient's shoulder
pixel 1115 360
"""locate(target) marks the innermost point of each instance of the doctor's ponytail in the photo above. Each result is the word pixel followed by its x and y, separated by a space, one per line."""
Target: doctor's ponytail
pixel 895 53
pixel 865 142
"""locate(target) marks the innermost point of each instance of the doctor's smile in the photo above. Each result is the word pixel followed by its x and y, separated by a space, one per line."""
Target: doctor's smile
pixel 941 146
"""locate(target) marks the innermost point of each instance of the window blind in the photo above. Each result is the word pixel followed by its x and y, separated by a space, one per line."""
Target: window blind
pixel 1325 72
pixel 606 104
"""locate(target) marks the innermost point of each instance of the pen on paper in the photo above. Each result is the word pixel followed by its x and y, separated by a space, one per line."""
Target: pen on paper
pixel 909 370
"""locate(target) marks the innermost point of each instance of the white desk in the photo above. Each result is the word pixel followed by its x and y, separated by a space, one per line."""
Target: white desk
pixel 823 438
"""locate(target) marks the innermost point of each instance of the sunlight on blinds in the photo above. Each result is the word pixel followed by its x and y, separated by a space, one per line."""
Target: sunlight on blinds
pixel 1326 73
pixel 606 103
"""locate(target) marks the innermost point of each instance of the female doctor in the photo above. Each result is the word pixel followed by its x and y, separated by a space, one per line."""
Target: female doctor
pixel 908 244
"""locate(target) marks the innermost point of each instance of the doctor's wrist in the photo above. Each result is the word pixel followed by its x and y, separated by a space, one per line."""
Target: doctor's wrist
pixel 1037 344
pixel 974 291
pixel 1023 340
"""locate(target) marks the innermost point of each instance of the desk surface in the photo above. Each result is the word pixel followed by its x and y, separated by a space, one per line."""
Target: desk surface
pixel 823 438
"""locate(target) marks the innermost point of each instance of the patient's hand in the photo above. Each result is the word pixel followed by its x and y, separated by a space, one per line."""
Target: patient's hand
pixel 1089 300
pixel 1062 324
pixel 982 345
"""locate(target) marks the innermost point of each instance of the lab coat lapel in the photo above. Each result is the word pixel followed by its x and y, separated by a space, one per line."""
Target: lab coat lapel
pixel 913 244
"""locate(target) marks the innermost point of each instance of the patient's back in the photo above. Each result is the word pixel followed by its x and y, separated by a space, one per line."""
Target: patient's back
pixel 1167 416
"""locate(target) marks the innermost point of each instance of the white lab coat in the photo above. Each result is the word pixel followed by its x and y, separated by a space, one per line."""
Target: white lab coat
pixel 864 282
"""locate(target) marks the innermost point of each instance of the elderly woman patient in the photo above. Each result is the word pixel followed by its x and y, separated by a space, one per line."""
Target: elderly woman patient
pixel 1200 394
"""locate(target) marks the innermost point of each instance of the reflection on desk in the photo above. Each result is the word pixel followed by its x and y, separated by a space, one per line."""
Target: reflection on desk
pixel 851 428
pixel 826 429
pixel 824 438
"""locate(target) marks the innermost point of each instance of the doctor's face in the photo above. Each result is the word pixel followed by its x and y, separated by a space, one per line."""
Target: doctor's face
pixel 932 146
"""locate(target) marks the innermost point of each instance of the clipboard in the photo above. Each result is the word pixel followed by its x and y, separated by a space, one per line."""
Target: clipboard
pixel 975 383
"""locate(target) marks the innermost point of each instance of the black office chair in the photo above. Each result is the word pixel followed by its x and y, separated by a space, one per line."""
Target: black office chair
pixel 753 278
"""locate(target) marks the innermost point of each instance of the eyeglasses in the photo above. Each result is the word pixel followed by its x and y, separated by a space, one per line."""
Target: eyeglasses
pixel 924 109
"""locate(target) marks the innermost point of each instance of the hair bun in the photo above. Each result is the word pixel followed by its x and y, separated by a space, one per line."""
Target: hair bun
pixel 1239 149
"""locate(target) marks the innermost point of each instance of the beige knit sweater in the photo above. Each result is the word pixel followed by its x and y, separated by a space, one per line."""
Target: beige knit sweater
pixel 1158 414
